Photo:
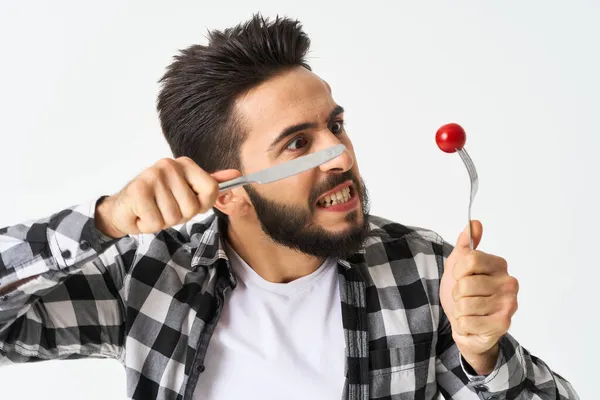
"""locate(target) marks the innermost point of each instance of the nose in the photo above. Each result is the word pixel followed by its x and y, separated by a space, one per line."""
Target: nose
pixel 340 164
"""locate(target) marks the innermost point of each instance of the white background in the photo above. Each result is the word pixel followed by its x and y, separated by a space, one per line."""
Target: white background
pixel 77 120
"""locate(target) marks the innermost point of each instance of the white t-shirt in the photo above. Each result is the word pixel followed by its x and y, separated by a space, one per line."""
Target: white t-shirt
pixel 277 340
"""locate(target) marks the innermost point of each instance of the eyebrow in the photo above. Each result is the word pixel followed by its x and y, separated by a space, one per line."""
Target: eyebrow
pixel 290 130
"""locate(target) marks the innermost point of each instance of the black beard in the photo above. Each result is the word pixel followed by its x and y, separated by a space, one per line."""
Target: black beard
pixel 293 226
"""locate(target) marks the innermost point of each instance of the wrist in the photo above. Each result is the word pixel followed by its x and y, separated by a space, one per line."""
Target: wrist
pixel 103 218
pixel 482 363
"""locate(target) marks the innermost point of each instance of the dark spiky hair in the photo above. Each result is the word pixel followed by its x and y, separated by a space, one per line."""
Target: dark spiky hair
pixel 199 88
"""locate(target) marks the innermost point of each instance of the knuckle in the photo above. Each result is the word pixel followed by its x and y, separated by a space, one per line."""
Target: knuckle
pixel 503 262
pixel 512 285
pixel 184 160
pixel 167 166
pixel 152 174
pixel 139 187
pixel 165 163
pixel 515 283
pixel 512 306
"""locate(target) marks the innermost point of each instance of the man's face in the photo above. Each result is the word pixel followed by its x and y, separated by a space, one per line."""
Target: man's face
pixel 286 117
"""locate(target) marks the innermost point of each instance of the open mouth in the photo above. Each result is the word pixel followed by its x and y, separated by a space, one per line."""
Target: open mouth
pixel 342 196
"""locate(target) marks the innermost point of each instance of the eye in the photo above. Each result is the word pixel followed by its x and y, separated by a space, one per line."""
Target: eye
pixel 337 127
pixel 297 143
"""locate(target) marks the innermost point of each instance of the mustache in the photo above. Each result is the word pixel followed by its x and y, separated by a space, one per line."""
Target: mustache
pixel 331 182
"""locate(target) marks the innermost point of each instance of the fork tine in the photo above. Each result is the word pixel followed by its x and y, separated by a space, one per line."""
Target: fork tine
pixel 472 169
pixel 470 164
pixel 468 159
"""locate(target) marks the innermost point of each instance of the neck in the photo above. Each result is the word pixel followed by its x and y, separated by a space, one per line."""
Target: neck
pixel 272 261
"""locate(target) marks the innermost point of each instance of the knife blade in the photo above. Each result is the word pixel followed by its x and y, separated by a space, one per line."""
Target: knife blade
pixel 286 169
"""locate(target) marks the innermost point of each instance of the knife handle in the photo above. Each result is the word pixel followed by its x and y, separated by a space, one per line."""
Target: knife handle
pixel 233 183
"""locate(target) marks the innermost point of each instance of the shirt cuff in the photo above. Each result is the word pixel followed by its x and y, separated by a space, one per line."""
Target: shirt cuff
pixel 508 372
pixel 73 236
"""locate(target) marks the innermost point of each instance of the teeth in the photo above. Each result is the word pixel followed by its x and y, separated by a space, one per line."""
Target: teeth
pixel 336 198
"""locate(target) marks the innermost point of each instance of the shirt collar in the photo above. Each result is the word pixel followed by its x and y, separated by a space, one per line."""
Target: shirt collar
pixel 207 238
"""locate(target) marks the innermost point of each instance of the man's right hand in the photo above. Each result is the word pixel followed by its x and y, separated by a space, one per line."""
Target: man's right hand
pixel 169 193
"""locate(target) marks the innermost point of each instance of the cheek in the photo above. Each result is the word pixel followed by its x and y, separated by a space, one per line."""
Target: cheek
pixel 298 189
pixel 292 190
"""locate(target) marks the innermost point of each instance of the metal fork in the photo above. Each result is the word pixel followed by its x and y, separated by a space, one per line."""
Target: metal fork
pixel 474 185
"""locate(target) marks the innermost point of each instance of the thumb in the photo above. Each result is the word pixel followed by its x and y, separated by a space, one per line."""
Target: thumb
pixel 462 243
pixel 225 175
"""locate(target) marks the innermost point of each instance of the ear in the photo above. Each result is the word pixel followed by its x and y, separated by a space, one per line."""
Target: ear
pixel 233 202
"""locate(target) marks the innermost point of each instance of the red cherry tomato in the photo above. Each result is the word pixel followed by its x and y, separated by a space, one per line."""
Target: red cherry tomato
pixel 450 137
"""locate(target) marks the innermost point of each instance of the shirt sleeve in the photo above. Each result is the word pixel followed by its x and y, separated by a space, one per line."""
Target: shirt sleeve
pixel 65 278
pixel 510 375
pixel 516 375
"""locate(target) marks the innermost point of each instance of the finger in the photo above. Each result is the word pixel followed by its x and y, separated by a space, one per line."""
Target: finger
pixel 477 263
pixel 226 174
pixel 463 243
pixel 204 185
pixel 150 219
pixel 165 200
pixel 196 177
pixel 144 207
pixel 477 285
pixel 482 325
pixel 187 201
pixel 476 306
pixel 124 218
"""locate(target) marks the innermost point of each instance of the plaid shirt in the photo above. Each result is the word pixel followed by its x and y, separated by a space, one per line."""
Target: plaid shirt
pixel 153 301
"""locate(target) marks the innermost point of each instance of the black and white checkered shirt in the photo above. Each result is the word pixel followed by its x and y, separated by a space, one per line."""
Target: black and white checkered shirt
pixel 153 301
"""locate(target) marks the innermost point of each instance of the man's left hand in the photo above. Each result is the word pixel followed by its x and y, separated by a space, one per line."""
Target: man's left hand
pixel 479 297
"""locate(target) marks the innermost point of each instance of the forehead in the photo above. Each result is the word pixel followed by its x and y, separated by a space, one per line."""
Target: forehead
pixel 294 97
